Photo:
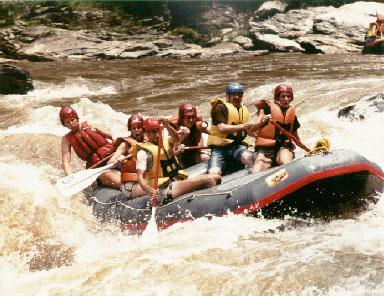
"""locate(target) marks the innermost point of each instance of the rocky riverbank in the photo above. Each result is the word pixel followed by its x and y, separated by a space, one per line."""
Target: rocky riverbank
pixel 48 33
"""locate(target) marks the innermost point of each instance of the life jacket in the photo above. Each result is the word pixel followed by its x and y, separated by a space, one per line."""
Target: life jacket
pixel 377 33
pixel 266 136
pixel 168 165
pixel 235 117
pixel 89 144
pixel 128 171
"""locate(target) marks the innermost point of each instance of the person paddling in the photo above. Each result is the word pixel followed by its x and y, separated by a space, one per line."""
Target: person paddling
pixel 228 132
pixel 272 145
pixel 374 38
pixel 190 127
pixel 171 180
pixel 129 185
pixel 90 144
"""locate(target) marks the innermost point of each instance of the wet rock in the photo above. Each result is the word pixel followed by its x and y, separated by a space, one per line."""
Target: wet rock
pixel 363 108
pixel 14 80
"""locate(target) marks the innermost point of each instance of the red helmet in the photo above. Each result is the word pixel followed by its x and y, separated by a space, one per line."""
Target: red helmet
pixel 151 124
pixel 66 113
pixel 187 109
pixel 135 118
pixel 283 88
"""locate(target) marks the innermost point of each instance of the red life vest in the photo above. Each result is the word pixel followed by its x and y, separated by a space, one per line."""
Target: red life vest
pixel 89 144
pixel 266 136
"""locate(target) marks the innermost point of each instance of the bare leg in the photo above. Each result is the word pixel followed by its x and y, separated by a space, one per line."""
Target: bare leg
pixel 195 183
pixel 137 191
pixel 111 179
pixel 202 157
pixel 214 171
pixel 284 156
pixel 261 163
pixel 247 159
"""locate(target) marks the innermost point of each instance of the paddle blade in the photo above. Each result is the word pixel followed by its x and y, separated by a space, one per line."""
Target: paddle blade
pixel 80 180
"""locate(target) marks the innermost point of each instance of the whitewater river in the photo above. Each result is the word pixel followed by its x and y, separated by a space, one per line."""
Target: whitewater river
pixel 52 245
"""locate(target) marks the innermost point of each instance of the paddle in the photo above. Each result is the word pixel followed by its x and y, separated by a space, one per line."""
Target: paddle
pixel 195 147
pixel 152 230
pixel 80 180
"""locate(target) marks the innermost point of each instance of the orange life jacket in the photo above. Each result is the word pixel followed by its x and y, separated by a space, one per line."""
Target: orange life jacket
pixel 266 136
pixel 128 171
pixel 89 144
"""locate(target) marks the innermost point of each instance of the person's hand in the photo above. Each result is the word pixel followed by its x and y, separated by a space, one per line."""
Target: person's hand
pixel 121 158
pixel 154 193
pixel 183 131
pixel 246 126
pixel 180 149
pixel 265 119
pixel 164 121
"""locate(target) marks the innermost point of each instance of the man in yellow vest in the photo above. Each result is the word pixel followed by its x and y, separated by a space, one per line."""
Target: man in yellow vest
pixel 170 180
pixel 228 131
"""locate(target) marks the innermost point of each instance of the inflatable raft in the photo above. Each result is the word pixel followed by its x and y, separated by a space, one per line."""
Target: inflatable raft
pixel 323 186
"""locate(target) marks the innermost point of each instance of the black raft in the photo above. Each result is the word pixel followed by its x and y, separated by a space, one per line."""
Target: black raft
pixel 323 186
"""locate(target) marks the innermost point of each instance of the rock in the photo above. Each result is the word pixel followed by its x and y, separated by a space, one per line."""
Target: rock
pixel 322 29
pixel 269 9
pixel 14 80
pixel 273 42
pixel 137 54
pixel 363 108
pixel 244 42
pixel 222 49
pixel 37 32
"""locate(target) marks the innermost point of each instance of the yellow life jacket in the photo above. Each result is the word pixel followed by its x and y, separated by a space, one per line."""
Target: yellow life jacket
pixel 235 117
pixel 168 164
pixel 266 136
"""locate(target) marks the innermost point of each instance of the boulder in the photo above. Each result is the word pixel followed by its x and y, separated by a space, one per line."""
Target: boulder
pixel 244 42
pixel 14 80
pixel 363 108
pixel 269 9
pixel 273 42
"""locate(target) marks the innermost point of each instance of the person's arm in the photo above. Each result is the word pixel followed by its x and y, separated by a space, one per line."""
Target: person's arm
pixel 119 154
pixel 183 134
pixel 66 157
pixel 173 137
pixel 220 117
pixel 229 128
pixel 260 121
pixel 141 167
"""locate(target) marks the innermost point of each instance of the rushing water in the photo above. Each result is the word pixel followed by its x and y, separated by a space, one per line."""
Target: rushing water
pixel 52 245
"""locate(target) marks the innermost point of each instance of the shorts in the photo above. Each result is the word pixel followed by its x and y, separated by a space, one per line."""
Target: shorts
pixel 227 158
pixel 271 153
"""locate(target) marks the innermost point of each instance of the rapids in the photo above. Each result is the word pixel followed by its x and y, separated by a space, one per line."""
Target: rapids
pixel 52 245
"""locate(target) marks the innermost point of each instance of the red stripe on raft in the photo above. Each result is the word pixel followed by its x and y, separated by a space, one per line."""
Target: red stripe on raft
pixel 353 168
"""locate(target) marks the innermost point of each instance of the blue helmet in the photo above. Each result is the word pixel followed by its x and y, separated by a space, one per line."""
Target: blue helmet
pixel 234 88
